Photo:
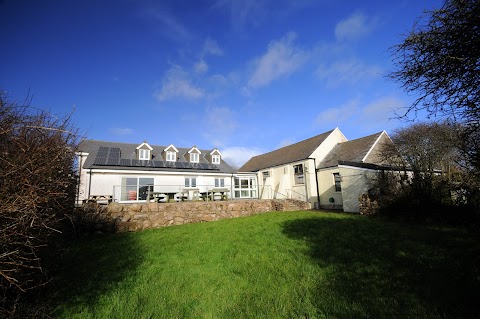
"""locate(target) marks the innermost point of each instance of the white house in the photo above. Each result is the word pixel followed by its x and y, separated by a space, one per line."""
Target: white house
pixel 125 172
pixel 326 170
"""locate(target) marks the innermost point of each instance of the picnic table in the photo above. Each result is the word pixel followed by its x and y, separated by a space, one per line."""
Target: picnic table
pixel 97 198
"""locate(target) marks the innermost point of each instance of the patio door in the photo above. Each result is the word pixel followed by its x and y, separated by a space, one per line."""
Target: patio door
pixel 136 188
pixel 245 187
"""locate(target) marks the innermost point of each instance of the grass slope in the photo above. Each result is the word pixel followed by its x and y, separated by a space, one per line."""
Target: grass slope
pixel 275 265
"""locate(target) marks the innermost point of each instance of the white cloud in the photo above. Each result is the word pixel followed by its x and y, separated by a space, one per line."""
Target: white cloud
pixel 169 26
pixel 177 84
pixel 201 67
pixel 353 28
pixel 350 71
pixel 281 59
pixel 377 115
pixel 285 142
pixel 220 124
pixel 243 12
pixel 121 130
pixel 337 115
pixel 237 155
pixel 211 47
pixel 381 110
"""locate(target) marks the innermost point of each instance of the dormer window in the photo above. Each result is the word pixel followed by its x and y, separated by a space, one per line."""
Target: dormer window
pixel 215 157
pixel 144 151
pixel 193 155
pixel 171 153
pixel 143 154
pixel 171 156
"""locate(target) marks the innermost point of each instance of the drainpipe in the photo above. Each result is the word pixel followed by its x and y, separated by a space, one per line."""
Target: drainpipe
pixel 79 178
pixel 89 183
pixel 316 178
pixel 305 174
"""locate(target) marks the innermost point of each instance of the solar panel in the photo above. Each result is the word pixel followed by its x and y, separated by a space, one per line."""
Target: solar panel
pixel 179 165
pixel 100 161
pixel 113 161
pixel 114 153
pixel 193 165
pixel 125 162
pixel 135 162
pixel 171 164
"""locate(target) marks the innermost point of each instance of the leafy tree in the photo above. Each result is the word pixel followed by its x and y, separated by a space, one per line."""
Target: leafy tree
pixel 37 192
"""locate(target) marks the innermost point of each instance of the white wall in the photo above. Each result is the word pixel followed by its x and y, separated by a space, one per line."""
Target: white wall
pixel 326 186
pixel 328 144
pixel 82 183
pixel 106 182
pixel 354 182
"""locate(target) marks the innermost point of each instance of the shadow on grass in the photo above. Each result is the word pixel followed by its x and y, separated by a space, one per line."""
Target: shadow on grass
pixel 93 267
pixel 384 270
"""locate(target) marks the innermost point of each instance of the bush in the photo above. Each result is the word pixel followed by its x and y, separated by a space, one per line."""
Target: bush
pixel 37 193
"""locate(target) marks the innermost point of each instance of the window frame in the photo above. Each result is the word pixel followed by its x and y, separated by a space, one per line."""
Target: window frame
pixel 194 157
pixel 144 154
pixel 190 182
pixel 171 155
pixel 299 174
pixel 216 159
pixel 219 182
pixel 140 185
pixel 337 182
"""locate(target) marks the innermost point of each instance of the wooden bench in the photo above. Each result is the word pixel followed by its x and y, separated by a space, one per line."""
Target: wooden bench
pixel 97 198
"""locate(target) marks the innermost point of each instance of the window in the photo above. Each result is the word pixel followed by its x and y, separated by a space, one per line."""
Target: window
pixel 143 154
pixel 219 182
pixel 171 156
pixel 265 174
pixel 190 182
pixel 136 188
pixel 215 159
pixel 194 157
pixel 298 174
pixel 245 187
pixel 337 180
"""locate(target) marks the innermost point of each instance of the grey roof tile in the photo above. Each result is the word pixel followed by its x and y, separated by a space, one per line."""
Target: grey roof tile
pixel 128 154
pixel 288 154
pixel 350 151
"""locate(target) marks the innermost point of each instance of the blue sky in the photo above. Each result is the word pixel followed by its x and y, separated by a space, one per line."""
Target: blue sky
pixel 245 76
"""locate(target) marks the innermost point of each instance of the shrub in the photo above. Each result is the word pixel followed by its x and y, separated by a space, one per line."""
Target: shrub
pixel 37 193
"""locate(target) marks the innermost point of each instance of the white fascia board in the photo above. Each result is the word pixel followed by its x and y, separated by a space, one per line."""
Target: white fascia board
pixel 82 153
pixel 194 149
pixel 357 168
pixel 120 172
pixel 144 144
pixel 171 146
pixel 215 151
pixel 373 146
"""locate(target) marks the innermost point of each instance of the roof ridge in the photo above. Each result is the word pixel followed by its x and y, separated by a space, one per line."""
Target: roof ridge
pixel 293 144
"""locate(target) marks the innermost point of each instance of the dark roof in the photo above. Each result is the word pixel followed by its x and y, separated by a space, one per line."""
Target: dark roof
pixel 123 156
pixel 288 154
pixel 350 151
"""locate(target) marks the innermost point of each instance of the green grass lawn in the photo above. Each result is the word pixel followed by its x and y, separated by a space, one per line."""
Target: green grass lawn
pixel 275 265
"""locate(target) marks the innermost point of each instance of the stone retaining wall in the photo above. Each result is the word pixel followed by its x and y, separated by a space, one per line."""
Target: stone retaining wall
pixel 116 217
